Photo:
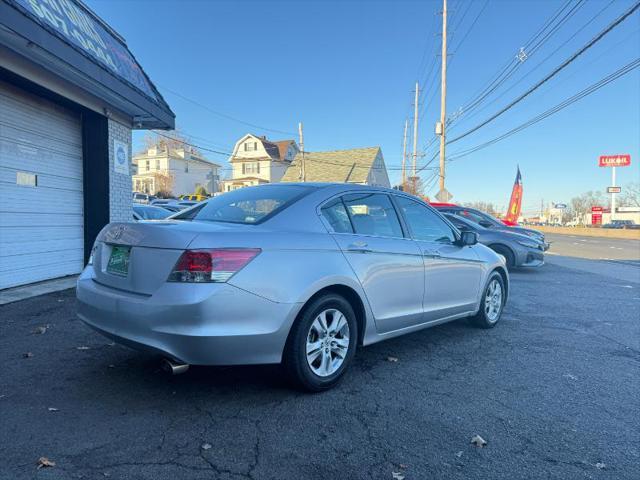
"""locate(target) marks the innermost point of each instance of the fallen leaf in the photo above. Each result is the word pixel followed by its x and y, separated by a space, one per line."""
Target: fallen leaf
pixel 112 366
pixel 41 329
pixel 570 377
pixel 60 300
pixel 403 466
pixel 206 446
pixel 52 409
pixel 397 475
pixel 478 441
pixel 392 359
pixel 459 454
pixel 82 348
pixel 601 466
pixel 27 355
pixel 44 462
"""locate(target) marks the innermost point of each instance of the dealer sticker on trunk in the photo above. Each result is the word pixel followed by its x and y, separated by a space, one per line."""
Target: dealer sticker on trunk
pixel 119 261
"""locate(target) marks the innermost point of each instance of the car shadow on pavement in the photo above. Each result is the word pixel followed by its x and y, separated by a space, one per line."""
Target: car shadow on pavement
pixel 135 373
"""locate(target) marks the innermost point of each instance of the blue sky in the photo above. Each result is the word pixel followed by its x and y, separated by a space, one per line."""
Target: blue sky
pixel 347 70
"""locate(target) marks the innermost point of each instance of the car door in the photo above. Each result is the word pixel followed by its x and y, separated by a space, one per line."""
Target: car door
pixel 388 265
pixel 452 272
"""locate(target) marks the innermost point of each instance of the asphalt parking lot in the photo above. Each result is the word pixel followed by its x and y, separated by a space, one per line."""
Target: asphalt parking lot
pixel 554 390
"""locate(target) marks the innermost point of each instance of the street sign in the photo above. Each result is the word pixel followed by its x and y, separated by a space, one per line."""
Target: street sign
pixel 444 196
pixel 614 160
pixel 561 206
pixel 596 219
pixel 614 189
pixel 596 209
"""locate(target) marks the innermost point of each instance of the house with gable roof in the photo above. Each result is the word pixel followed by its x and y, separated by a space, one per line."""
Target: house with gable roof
pixel 256 160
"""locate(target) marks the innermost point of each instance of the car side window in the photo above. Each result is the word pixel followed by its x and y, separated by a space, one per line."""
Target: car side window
pixel 373 214
pixel 336 214
pixel 474 217
pixel 424 224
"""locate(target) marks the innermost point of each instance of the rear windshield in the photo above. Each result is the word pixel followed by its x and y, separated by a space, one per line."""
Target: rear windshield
pixel 246 205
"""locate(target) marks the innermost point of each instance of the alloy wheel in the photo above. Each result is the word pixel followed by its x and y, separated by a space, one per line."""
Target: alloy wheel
pixel 493 301
pixel 327 342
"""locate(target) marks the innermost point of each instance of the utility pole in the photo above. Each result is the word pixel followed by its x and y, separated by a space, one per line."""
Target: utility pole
pixel 415 138
pixel 404 154
pixel 303 173
pixel 443 94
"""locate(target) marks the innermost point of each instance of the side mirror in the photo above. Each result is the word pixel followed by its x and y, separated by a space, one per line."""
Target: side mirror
pixel 468 238
pixel 485 224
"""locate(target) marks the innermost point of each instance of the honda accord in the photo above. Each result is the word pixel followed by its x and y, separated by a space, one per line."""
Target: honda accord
pixel 299 274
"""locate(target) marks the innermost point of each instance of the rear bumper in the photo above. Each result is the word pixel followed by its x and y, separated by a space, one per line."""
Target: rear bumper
pixel 199 324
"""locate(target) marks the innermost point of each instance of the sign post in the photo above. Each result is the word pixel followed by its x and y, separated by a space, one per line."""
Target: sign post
pixel 614 161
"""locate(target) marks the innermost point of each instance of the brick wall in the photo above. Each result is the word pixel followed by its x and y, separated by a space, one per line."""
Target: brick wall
pixel 119 184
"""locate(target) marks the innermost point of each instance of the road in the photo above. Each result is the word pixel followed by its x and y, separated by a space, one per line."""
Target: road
pixel 553 389
pixel 616 259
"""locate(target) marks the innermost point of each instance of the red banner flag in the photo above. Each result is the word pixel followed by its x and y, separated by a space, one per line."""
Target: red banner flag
pixel 515 204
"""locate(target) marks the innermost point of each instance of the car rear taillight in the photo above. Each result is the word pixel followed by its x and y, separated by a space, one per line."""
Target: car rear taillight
pixel 219 265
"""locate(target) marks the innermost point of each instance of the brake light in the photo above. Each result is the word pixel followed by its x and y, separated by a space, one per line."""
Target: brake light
pixel 219 265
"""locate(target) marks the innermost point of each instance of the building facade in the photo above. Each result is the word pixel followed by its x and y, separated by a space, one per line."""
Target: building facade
pixel 257 160
pixel 70 94
pixel 174 171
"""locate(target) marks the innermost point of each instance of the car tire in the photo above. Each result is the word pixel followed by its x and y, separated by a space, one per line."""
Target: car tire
pixel 318 374
pixel 507 254
pixel 489 313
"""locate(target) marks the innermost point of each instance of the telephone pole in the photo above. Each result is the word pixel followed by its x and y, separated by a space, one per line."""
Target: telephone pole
pixel 303 175
pixel 443 94
pixel 415 137
pixel 404 154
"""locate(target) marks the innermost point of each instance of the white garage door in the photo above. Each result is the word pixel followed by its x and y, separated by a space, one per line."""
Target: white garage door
pixel 41 201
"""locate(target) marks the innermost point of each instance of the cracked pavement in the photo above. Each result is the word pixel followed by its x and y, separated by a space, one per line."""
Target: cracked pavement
pixel 554 390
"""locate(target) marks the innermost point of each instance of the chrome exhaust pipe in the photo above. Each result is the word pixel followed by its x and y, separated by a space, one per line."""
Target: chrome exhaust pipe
pixel 174 368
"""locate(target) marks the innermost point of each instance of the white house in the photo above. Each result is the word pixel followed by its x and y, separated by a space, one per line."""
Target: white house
pixel 256 160
pixel 176 171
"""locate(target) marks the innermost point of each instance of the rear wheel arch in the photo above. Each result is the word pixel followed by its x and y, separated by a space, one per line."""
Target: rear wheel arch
pixel 351 296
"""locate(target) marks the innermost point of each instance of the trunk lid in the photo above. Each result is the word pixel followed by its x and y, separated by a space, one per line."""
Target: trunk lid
pixel 145 252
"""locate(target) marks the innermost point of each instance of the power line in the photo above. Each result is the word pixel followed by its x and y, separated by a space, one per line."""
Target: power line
pixel 473 24
pixel 511 66
pixel 517 82
pixel 307 159
pixel 224 115
pixel 558 107
pixel 555 71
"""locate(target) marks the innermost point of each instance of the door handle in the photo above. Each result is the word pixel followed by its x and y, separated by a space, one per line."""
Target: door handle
pixel 432 255
pixel 360 247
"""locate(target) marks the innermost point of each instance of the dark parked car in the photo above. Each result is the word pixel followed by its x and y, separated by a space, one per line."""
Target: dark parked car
pixel 620 224
pixel 517 249
pixel 149 212
pixel 487 221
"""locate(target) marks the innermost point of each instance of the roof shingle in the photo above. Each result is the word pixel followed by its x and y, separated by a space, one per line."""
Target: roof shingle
pixel 342 166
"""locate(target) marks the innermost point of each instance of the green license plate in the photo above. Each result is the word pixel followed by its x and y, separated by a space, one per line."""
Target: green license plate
pixel 119 261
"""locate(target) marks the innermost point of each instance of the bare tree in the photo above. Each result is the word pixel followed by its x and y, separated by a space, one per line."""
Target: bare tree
pixel 487 207
pixel 414 186
pixel 582 204
pixel 630 195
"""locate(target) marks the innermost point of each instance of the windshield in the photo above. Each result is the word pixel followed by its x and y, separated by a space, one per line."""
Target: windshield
pixel 249 205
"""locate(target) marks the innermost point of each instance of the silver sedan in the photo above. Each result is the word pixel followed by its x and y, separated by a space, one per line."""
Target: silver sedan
pixel 298 274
